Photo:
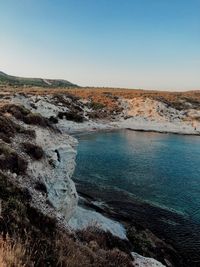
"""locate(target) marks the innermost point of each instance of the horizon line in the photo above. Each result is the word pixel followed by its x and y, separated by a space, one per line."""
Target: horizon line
pixel 174 90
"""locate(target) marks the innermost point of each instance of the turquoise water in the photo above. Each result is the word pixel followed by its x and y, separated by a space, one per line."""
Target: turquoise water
pixel 162 169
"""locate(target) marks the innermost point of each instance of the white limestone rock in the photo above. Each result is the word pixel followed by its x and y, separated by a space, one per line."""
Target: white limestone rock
pixel 141 261
pixel 56 169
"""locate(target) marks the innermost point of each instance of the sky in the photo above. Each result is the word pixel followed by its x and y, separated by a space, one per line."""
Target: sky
pixel 150 44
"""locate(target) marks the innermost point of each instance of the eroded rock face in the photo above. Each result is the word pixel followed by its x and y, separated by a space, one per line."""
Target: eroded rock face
pixel 141 261
pixel 150 109
pixel 56 169
pixel 48 158
pixel 49 176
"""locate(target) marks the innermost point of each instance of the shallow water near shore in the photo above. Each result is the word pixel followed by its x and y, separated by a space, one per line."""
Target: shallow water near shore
pixel 161 170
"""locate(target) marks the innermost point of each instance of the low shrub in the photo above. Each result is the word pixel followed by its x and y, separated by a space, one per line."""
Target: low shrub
pixel 33 150
pixel 18 111
pixel 71 116
pixel 96 105
pixel 25 115
pixel 8 129
pixel 98 115
pixel 53 119
pixel 139 240
pixel 62 98
pixel 105 240
pixel 40 186
pixel 10 160
pixel 42 243
pixel 36 119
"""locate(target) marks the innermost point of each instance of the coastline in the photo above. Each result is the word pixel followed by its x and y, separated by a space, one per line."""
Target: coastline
pixel 172 234
pixel 174 229
pixel 48 109
pixel 140 125
pixel 161 118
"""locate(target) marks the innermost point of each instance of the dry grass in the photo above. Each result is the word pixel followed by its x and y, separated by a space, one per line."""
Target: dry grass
pixel 67 253
pixel 71 253
pixel 43 243
pixel 13 253
pixel 108 96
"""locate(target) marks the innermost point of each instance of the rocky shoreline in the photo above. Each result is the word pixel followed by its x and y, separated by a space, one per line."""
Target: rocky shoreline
pixel 158 233
pixel 51 118
pixel 74 114
pixel 38 196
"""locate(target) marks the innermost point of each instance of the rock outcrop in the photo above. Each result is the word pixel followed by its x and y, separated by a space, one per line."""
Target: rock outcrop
pixel 56 170
pixel 43 160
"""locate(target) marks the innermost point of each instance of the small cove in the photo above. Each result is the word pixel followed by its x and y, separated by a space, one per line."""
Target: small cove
pixel 152 177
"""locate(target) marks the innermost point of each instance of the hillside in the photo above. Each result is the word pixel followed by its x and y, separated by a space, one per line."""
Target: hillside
pixel 10 80
pixel 37 160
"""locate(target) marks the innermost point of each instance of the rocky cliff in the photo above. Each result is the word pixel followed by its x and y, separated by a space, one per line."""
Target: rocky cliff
pixel 38 155
pixel 44 159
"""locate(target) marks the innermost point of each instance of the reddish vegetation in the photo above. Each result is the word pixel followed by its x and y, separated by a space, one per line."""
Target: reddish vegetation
pixel 108 96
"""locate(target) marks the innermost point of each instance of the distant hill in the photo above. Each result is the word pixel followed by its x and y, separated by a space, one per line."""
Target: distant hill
pixel 20 81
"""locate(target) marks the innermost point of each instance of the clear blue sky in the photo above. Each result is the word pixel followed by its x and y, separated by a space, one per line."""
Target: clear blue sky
pixel 120 43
